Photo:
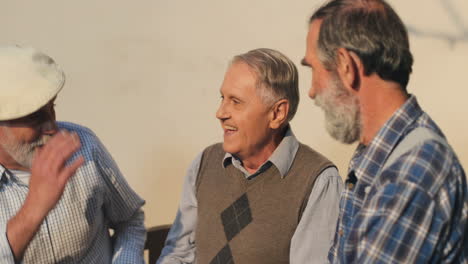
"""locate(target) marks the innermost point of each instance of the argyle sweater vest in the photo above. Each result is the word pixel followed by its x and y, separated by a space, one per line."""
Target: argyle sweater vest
pixel 251 221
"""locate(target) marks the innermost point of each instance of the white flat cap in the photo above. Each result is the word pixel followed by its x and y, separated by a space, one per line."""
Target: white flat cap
pixel 29 79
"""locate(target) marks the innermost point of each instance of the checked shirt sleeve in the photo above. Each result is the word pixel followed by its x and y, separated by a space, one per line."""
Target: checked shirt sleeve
pixel 395 226
pixel 180 243
pixel 122 208
pixel 408 216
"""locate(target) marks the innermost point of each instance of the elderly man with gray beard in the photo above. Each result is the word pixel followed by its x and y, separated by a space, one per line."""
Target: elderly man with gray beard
pixel 60 190
pixel 406 197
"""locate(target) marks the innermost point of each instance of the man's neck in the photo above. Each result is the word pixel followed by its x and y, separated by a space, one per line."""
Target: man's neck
pixel 379 100
pixel 256 159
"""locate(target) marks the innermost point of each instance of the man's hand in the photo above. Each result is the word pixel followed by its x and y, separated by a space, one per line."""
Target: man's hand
pixel 49 176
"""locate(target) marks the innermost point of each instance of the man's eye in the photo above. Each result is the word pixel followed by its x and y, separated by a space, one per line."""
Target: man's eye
pixel 235 101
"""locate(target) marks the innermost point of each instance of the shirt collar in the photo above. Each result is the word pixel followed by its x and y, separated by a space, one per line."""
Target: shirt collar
pixel 4 175
pixel 282 158
pixel 10 175
pixel 386 139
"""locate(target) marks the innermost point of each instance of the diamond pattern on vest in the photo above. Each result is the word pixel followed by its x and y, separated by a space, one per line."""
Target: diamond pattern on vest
pixel 224 256
pixel 234 219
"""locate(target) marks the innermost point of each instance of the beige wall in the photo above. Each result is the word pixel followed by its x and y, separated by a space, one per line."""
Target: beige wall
pixel 144 75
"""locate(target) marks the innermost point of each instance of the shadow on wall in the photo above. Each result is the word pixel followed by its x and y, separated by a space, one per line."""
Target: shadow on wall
pixel 455 16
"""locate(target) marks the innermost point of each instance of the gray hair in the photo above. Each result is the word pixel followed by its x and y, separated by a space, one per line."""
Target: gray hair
pixel 372 30
pixel 277 76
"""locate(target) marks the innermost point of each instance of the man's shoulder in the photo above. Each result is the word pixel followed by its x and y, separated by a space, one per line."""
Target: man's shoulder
pixel 213 153
pixel 429 149
pixel 72 127
pixel 429 164
pixel 87 137
pixel 311 155
pixel 215 147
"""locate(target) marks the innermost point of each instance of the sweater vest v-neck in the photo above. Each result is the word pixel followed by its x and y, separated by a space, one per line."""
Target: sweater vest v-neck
pixel 251 221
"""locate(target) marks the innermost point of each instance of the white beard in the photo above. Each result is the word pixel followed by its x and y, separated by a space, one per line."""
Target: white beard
pixel 342 112
pixel 22 153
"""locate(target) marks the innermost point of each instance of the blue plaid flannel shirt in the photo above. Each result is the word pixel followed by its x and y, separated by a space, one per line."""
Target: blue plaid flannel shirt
pixel 414 211
pixel 97 198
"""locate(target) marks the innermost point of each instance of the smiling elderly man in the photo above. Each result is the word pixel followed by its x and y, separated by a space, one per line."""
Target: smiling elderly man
pixel 54 211
pixel 260 196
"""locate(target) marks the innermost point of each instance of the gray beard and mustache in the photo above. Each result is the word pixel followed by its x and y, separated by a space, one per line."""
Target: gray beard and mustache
pixel 22 153
pixel 342 112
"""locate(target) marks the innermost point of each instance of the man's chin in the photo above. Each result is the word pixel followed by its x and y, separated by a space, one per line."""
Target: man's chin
pixel 228 147
pixel 345 137
pixel 25 160
pixel 26 163
pixel 225 147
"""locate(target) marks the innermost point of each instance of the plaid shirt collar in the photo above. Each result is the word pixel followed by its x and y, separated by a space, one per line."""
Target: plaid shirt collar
pixel 368 160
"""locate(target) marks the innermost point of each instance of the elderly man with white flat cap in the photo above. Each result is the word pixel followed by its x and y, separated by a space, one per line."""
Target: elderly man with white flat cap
pixel 60 190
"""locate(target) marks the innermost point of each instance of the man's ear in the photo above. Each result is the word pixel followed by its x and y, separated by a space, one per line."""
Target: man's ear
pixel 350 69
pixel 279 113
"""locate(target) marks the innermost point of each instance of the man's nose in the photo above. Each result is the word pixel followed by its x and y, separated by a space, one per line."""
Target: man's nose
pixel 222 114
pixel 312 92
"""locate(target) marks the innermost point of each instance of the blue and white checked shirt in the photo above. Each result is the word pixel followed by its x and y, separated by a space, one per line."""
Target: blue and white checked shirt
pixel 414 211
pixel 97 198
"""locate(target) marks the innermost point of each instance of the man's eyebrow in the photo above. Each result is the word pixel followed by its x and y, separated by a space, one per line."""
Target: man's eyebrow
pixel 304 62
